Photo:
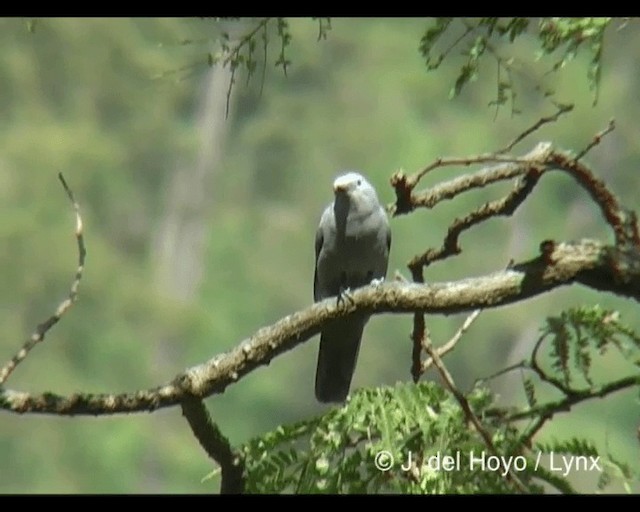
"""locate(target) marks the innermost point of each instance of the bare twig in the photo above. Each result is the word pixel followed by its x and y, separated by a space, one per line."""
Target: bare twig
pixel 449 345
pixel 232 80
pixel 468 412
pixel 597 139
pixel 503 371
pixel 456 41
pixel 526 76
pixel 467 161
pixel 398 276
pixel 562 109
pixel 265 51
pixel 498 100
pixel 451 188
pixel 231 58
pixel 542 375
pixel 42 329
pixel 509 167
pixel 215 444
pixel 532 430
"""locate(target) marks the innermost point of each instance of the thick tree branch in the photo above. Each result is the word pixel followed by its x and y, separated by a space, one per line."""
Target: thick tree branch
pixel 215 444
pixel 623 222
pixel 588 262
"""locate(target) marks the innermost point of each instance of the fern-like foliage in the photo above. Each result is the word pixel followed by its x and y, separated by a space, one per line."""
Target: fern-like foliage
pixel 580 334
pixel 570 35
pixel 530 392
pixel 405 439
pixel 574 446
pixel 614 469
pixel 476 38
pixel 582 454
pixel 245 44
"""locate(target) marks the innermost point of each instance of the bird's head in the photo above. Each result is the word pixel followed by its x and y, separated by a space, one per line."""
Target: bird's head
pixel 353 187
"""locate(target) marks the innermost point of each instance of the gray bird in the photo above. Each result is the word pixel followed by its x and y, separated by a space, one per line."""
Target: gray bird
pixel 352 249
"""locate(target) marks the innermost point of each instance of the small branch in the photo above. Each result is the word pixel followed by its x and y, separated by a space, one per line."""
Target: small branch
pixel 504 206
pixel 509 167
pixel 456 42
pixel 215 444
pixel 265 51
pixel 562 109
pixel 539 422
pixel 468 412
pixel 465 161
pixel 597 139
pixel 623 222
pixel 525 75
pixel 497 101
pixel 449 189
pixel 572 396
pixel 232 80
pixel 542 375
pixel 503 371
pixel 449 345
pixel 527 436
pixel 565 404
pixel 419 336
pixel 42 329
pixel 233 54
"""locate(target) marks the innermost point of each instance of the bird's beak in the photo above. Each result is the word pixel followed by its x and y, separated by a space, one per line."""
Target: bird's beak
pixel 343 185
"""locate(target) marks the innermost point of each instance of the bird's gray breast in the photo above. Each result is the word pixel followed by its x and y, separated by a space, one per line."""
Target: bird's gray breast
pixel 353 252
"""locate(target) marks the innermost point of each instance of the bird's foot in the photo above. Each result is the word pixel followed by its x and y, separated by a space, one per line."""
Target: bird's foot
pixel 377 282
pixel 344 296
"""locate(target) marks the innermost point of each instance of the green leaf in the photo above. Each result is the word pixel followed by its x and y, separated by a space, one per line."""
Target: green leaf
pixel 429 39
pixel 529 390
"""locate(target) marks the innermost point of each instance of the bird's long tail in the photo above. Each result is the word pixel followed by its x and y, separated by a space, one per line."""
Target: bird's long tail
pixel 339 346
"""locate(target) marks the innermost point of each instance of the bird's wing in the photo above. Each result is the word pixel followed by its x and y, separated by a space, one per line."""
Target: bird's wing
pixel 319 241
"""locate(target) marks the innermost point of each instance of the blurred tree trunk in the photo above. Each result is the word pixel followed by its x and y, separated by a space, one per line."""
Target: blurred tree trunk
pixel 181 237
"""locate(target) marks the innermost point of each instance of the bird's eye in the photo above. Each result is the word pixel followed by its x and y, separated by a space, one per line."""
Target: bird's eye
pixel 359 182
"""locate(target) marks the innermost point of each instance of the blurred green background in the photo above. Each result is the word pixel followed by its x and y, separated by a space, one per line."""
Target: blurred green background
pixel 200 230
